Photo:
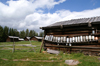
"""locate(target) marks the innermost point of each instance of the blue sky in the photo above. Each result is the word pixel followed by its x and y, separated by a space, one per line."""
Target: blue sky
pixel 32 14
pixel 72 5
pixel 77 5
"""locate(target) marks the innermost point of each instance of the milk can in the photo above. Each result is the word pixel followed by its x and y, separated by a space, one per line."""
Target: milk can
pixel 73 39
pixel 54 39
pixel 48 38
pixel 89 37
pixel 96 38
pixel 64 39
pixel 58 39
pixel 51 37
pixel 67 39
pixel 81 38
pixel 70 40
pixel 78 39
pixel 93 31
pixel 66 44
pixel 92 37
pixel 70 44
pixel 61 39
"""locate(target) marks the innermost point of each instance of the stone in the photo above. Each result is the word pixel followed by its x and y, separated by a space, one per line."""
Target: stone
pixel 98 58
pixel 53 51
pixel 71 62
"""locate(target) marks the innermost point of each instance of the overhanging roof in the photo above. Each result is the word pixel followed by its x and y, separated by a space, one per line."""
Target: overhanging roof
pixel 74 22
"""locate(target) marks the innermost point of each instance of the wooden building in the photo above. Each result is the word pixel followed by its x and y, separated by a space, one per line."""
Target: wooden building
pixel 39 38
pixel 13 38
pixel 35 38
pixel 27 38
pixel 76 35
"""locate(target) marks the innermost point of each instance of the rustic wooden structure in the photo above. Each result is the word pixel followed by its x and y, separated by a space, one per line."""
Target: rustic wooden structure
pixel 13 38
pixel 27 38
pixel 76 35
pixel 39 38
pixel 35 38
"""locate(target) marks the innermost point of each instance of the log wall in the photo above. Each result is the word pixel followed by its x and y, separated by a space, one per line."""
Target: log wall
pixel 90 46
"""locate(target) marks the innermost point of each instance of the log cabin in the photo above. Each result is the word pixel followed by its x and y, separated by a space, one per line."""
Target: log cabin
pixel 13 38
pixel 39 38
pixel 76 35
pixel 27 38
pixel 35 38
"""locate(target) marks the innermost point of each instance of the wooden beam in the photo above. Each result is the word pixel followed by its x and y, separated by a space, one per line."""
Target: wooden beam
pixel 85 47
pixel 41 45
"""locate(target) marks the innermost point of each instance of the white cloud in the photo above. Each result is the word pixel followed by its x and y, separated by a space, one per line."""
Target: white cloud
pixel 24 14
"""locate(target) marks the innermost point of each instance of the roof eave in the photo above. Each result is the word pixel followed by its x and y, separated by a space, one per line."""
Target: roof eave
pixel 60 26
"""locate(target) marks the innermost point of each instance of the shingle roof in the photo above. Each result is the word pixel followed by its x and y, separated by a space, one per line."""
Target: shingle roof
pixel 76 21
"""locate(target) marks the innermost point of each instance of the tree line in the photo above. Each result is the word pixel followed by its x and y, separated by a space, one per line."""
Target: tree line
pixel 6 31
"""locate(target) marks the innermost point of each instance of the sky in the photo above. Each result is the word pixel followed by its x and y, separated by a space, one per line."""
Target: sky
pixel 32 14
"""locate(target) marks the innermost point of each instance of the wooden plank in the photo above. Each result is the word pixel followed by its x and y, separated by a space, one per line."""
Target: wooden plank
pixel 85 50
pixel 73 32
pixel 75 47
pixel 68 30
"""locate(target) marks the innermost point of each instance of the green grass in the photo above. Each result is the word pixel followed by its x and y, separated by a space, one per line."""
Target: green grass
pixel 28 53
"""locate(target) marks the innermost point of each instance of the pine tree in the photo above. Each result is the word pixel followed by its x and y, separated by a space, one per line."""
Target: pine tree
pixel 31 33
pixel 22 34
pixel 1 33
pixel 10 30
pixel 5 33
pixel 16 33
pixel 27 32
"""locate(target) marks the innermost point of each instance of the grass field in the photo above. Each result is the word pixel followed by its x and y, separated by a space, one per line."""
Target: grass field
pixel 26 56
